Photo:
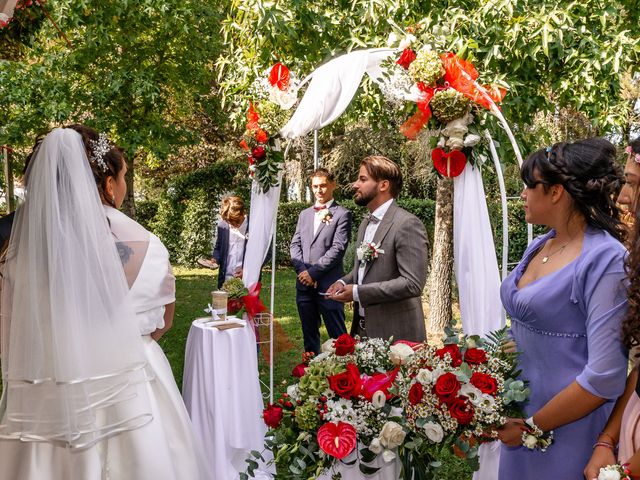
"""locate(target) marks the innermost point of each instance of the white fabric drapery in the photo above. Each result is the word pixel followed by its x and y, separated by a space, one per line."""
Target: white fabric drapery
pixel 476 269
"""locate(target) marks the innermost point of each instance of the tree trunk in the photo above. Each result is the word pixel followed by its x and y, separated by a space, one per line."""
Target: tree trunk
pixel 439 285
pixel 128 205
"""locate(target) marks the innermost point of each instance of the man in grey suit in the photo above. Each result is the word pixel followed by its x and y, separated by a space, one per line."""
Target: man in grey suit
pixel 387 278
pixel 317 249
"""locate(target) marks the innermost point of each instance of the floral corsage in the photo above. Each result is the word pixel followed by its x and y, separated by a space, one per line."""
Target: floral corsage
pixel 615 472
pixel 368 251
pixel 324 215
pixel 534 438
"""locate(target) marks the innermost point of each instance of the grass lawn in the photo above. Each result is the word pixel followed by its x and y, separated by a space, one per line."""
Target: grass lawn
pixel 193 293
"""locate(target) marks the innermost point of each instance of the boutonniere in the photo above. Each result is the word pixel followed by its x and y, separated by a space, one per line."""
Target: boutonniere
pixel 368 251
pixel 325 215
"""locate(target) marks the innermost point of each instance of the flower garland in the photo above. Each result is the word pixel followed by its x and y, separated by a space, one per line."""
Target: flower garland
pixel 274 95
pixel 445 90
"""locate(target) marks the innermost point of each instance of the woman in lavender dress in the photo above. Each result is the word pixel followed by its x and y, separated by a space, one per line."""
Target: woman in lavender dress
pixel 566 300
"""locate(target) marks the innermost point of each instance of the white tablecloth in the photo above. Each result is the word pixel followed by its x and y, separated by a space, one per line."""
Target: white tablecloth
pixel 222 393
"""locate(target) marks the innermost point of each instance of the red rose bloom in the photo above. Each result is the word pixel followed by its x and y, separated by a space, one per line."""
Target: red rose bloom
pixel 258 153
pixel 298 370
pixel 484 382
pixel 344 344
pixel 406 58
pixel 416 393
pixel 475 356
pixel 346 384
pixel 453 350
pixel 461 410
pixel 272 415
pixel 446 387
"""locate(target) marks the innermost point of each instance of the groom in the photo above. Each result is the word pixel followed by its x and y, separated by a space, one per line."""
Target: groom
pixel 387 279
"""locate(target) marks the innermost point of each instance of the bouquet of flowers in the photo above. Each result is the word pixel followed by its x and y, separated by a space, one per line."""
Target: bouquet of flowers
pixel 615 472
pixel 242 298
pixel 341 401
pixel 273 96
pixel 446 92
pixel 457 395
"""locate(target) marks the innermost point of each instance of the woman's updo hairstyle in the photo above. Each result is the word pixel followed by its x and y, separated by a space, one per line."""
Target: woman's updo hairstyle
pixel 588 171
pixel 114 160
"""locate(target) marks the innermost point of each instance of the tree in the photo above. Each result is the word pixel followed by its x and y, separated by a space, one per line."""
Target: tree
pixel 137 71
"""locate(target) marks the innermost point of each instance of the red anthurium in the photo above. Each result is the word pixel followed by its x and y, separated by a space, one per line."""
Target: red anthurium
pixel 279 76
pixel 337 440
pixel 448 164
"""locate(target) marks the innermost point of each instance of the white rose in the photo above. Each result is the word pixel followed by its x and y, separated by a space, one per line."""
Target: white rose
pixel 395 412
pixel 434 432
pixel 442 142
pixel 379 399
pixel 608 473
pixel 455 143
pixel 486 403
pixel 406 42
pixel 388 456
pixel 400 353
pixel 285 99
pixel 375 446
pixel 530 441
pixel 292 391
pixel 457 127
pixel 471 140
pixel 392 39
pixel 471 343
pixel 392 435
pixel 328 346
pixel 424 376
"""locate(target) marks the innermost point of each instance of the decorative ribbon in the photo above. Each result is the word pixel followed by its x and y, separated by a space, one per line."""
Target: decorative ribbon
pixel 252 303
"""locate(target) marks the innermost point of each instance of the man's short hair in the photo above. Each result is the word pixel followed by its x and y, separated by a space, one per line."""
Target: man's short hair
pixel 322 172
pixel 381 168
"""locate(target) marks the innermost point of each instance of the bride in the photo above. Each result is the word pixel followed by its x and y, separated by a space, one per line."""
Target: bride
pixel 87 392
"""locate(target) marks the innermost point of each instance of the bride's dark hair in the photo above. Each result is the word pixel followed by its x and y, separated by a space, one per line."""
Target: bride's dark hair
pixel 631 323
pixel 588 171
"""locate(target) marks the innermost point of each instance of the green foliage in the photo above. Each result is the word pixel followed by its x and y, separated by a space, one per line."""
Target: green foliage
pixel 197 221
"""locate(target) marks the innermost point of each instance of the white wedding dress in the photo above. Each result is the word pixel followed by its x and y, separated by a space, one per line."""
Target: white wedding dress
pixel 163 449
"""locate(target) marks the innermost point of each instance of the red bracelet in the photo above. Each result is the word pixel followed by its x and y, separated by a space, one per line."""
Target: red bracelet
pixel 603 444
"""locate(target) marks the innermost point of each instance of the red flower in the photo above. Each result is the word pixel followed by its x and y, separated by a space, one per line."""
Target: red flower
pixel 344 345
pixel 346 384
pixel 234 305
pixel 406 58
pixel 446 387
pixel 272 415
pixel 453 350
pixel 337 440
pixel 258 153
pixel 279 76
pixel 416 392
pixel 244 145
pixel 261 136
pixel 298 370
pixel 475 356
pixel 484 382
pixel 461 410
pixel 379 381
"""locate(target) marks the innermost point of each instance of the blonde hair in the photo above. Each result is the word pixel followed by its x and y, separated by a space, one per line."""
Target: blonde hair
pixel 381 168
pixel 232 210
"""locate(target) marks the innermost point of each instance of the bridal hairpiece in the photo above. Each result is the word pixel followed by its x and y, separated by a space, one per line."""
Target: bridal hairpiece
pixel 634 155
pixel 99 149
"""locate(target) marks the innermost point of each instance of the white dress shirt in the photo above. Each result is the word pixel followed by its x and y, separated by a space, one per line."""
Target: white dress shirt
pixel 316 219
pixel 235 255
pixel 369 233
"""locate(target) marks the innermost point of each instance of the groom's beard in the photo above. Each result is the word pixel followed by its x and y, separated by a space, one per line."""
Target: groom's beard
pixel 363 199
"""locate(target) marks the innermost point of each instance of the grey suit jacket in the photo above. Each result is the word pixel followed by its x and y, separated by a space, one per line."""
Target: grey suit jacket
pixel 392 285
pixel 321 254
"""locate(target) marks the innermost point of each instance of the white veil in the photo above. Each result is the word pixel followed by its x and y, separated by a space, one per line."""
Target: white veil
pixel 73 366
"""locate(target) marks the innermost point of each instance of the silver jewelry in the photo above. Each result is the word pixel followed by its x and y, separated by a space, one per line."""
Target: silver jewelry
pixel 99 149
